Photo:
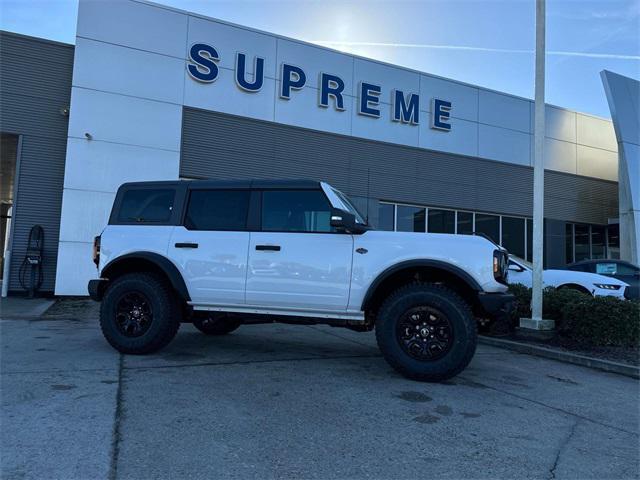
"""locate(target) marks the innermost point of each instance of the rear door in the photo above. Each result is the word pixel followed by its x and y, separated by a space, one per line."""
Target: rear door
pixel 210 247
pixel 297 260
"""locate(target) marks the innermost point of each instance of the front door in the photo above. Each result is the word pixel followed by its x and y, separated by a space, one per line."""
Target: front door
pixel 210 248
pixel 297 261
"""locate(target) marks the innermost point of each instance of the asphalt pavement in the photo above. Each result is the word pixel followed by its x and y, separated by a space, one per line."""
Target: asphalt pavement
pixel 282 401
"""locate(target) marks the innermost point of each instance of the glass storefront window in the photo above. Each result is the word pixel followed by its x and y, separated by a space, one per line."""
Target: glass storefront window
pixel 597 241
pixel 489 225
pixel 569 242
pixel 613 241
pixel 581 242
pixel 465 223
pixel 441 221
pixel 411 219
pixel 386 213
pixel 529 240
pixel 513 235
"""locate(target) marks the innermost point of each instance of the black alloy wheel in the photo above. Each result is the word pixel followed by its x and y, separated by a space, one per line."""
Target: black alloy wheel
pixel 425 333
pixel 134 314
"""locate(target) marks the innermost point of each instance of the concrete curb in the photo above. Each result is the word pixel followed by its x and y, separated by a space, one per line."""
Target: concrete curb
pixel 560 356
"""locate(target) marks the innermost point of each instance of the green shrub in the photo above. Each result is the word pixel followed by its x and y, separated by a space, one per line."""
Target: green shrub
pixel 583 318
pixel 523 302
pixel 602 321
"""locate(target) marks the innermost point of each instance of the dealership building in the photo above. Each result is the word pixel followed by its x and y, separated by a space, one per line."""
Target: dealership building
pixel 153 93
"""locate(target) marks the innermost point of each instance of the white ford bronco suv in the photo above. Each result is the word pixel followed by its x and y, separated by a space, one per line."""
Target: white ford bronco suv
pixel 222 253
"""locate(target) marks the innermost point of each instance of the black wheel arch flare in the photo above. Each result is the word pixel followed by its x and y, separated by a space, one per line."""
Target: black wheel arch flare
pixel 167 267
pixel 418 263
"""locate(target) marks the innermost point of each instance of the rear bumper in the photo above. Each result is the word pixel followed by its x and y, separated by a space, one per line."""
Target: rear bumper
pixel 495 304
pixel 96 289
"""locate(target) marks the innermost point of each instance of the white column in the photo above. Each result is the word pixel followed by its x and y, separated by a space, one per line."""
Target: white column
pixel 536 322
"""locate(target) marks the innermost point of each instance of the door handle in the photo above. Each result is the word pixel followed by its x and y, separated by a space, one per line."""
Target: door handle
pixel 270 248
pixel 186 245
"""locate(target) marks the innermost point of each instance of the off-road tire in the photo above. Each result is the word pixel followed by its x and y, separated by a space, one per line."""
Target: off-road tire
pixel 164 306
pixel 459 316
pixel 216 324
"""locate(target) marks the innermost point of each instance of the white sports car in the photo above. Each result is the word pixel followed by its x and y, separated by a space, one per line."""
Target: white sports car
pixel 521 271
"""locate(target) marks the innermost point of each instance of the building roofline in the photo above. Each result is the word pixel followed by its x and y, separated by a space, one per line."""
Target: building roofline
pixel 35 39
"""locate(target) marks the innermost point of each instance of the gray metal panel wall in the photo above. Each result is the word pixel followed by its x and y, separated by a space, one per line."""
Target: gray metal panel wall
pixel 31 96
pixel 216 145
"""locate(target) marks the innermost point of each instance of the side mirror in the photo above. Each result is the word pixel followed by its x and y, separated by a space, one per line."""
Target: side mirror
pixel 515 267
pixel 343 221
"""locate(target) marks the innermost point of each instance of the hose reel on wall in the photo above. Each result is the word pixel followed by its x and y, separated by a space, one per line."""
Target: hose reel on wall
pixel 33 261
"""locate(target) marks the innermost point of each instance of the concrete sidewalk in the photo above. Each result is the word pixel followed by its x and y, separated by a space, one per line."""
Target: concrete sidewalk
pixel 23 307
pixel 280 401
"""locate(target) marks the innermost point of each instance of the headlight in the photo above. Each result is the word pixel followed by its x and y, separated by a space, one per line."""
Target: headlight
pixel 605 286
pixel 500 266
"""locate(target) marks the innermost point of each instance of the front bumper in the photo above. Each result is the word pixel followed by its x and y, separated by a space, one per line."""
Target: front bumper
pixel 496 304
pixel 96 289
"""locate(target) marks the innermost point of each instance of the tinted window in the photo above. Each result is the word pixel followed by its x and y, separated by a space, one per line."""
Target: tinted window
pixel 147 205
pixel 568 241
pixel 465 222
pixel 582 242
pixel 295 211
pixel 489 225
pixel 386 217
pixel 513 235
pixel 217 210
pixel 613 239
pixel 529 240
pixel 411 219
pixel 597 241
pixel 441 221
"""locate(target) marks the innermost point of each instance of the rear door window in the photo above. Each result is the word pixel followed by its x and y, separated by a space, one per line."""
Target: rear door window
pixel 217 210
pixel 147 205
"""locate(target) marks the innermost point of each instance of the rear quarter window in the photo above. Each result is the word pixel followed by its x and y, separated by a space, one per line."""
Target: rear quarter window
pixel 147 205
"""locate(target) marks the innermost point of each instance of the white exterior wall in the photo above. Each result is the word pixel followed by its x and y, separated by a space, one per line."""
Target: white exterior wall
pixel 130 83
pixel 623 94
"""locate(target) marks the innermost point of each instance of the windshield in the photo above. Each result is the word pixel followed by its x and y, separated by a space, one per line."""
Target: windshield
pixel 522 262
pixel 348 206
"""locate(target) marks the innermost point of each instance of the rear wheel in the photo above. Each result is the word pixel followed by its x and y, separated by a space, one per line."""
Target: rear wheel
pixel 575 288
pixel 139 313
pixel 216 324
pixel 426 332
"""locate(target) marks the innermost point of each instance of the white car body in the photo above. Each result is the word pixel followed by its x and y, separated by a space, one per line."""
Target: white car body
pixel 520 272
pixel 323 275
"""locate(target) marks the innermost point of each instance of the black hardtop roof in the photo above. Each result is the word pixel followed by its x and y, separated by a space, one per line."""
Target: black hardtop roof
pixel 274 184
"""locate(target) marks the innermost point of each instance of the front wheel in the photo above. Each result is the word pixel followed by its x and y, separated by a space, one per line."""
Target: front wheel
pixel 426 332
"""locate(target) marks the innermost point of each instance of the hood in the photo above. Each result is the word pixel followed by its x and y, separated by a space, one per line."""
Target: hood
pixel 585 277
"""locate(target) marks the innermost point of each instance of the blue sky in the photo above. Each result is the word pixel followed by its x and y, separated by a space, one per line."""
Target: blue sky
pixel 487 43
